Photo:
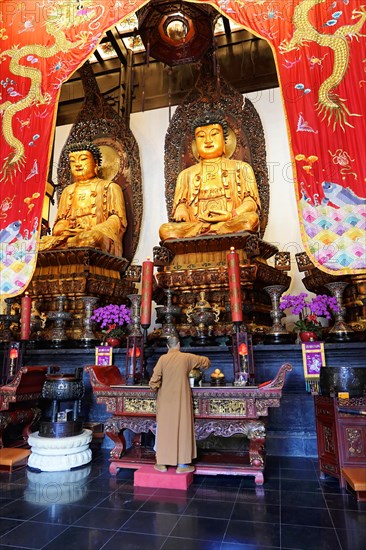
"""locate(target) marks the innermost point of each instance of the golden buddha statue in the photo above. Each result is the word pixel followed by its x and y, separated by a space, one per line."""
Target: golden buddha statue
pixel 91 212
pixel 218 195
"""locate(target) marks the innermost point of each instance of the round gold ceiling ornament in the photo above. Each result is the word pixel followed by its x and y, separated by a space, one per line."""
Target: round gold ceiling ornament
pixel 230 144
pixel 176 28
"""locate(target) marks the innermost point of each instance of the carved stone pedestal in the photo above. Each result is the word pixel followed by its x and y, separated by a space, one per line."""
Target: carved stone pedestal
pixel 190 266
pixel 77 273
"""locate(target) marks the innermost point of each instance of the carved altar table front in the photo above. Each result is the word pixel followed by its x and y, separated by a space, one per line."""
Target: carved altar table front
pixel 219 410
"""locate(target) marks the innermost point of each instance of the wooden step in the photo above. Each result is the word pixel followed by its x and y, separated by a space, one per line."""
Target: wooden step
pixel 13 458
pixel 356 479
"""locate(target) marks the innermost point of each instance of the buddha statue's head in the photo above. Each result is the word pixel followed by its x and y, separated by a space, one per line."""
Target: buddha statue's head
pixel 210 132
pixel 84 157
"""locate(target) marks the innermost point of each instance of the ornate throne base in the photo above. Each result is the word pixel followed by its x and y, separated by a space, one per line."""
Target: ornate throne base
pixel 190 266
pixel 77 273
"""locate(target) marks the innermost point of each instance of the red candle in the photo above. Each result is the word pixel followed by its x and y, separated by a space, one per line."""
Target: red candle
pixel 233 271
pixel 25 317
pixel 146 292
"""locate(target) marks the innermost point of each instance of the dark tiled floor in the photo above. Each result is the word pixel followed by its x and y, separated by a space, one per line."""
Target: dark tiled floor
pixel 89 509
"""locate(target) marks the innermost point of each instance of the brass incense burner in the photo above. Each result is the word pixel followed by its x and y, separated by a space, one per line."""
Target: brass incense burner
pixel 203 316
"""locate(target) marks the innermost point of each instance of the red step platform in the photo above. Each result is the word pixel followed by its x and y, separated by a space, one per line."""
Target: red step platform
pixel 147 476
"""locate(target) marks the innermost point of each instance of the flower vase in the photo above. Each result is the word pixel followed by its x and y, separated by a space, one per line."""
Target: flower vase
pixel 308 336
pixel 113 341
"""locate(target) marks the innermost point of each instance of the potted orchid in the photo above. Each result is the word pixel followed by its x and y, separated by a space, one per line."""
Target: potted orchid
pixel 113 320
pixel 309 311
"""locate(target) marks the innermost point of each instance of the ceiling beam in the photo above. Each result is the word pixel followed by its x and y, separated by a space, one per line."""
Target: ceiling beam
pixel 117 49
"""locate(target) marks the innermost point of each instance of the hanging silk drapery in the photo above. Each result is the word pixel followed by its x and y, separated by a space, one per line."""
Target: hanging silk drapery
pixel 320 55
pixel 319 49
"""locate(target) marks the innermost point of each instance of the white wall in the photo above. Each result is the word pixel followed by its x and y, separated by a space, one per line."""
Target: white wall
pixel 149 129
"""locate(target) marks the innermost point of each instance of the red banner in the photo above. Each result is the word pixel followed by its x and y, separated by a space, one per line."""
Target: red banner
pixel 41 43
pixel 319 49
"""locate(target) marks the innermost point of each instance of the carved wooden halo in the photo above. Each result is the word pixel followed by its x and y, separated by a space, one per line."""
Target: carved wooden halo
pixel 99 122
pixel 242 118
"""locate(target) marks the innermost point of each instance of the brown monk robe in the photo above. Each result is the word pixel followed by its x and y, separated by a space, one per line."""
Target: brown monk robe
pixel 218 195
pixel 175 439
pixel 91 211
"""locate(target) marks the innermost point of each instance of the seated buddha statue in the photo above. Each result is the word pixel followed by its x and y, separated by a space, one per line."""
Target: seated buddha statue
pixel 91 211
pixel 218 195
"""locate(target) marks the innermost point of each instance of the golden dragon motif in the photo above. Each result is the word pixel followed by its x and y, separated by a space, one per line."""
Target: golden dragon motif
pixel 16 159
pixel 329 103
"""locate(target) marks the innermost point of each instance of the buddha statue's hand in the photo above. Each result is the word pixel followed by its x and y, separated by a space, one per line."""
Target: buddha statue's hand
pixel 86 238
pixel 215 216
pixel 181 213
pixel 60 227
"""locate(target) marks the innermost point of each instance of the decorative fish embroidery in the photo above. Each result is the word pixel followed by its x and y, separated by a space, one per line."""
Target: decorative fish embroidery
pixel 339 196
pixel 11 232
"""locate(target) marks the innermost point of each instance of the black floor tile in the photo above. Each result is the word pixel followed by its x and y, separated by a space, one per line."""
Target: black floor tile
pixel 263 513
pixel 18 509
pixel 299 499
pixel 300 486
pixel 255 534
pixel 259 496
pixel 294 509
pixel 165 505
pixel 344 501
pixel 209 509
pixel 318 517
pixel 306 475
pixel 7 525
pixel 312 538
pixel 32 535
pixel 104 518
pixel 80 538
pixel 200 528
pixel 134 541
pixel 352 539
pixel 296 462
pixel 349 519
pixel 173 543
pixel 61 514
pixel 124 501
pixel 151 523
pixel 228 494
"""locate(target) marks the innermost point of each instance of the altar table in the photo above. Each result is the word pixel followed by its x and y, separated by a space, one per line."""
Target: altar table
pixel 218 410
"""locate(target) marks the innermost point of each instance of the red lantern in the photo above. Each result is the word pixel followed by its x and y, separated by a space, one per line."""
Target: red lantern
pixel 243 358
pixel 134 360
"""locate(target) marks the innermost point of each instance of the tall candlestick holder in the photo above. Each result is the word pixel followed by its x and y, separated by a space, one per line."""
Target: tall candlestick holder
pixel 340 331
pixel 277 334
pixel 135 354
pixel 168 312
pixel 87 337
pixel 57 334
pixel 135 326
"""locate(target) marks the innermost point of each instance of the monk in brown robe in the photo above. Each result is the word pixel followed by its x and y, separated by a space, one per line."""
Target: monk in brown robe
pixel 91 211
pixel 175 439
pixel 218 195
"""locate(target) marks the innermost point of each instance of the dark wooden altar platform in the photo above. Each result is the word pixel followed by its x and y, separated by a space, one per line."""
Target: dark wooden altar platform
pixel 222 411
pixel 290 429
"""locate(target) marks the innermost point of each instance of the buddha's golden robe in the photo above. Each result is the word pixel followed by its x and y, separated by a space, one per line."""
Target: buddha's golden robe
pixel 90 214
pixel 214 185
